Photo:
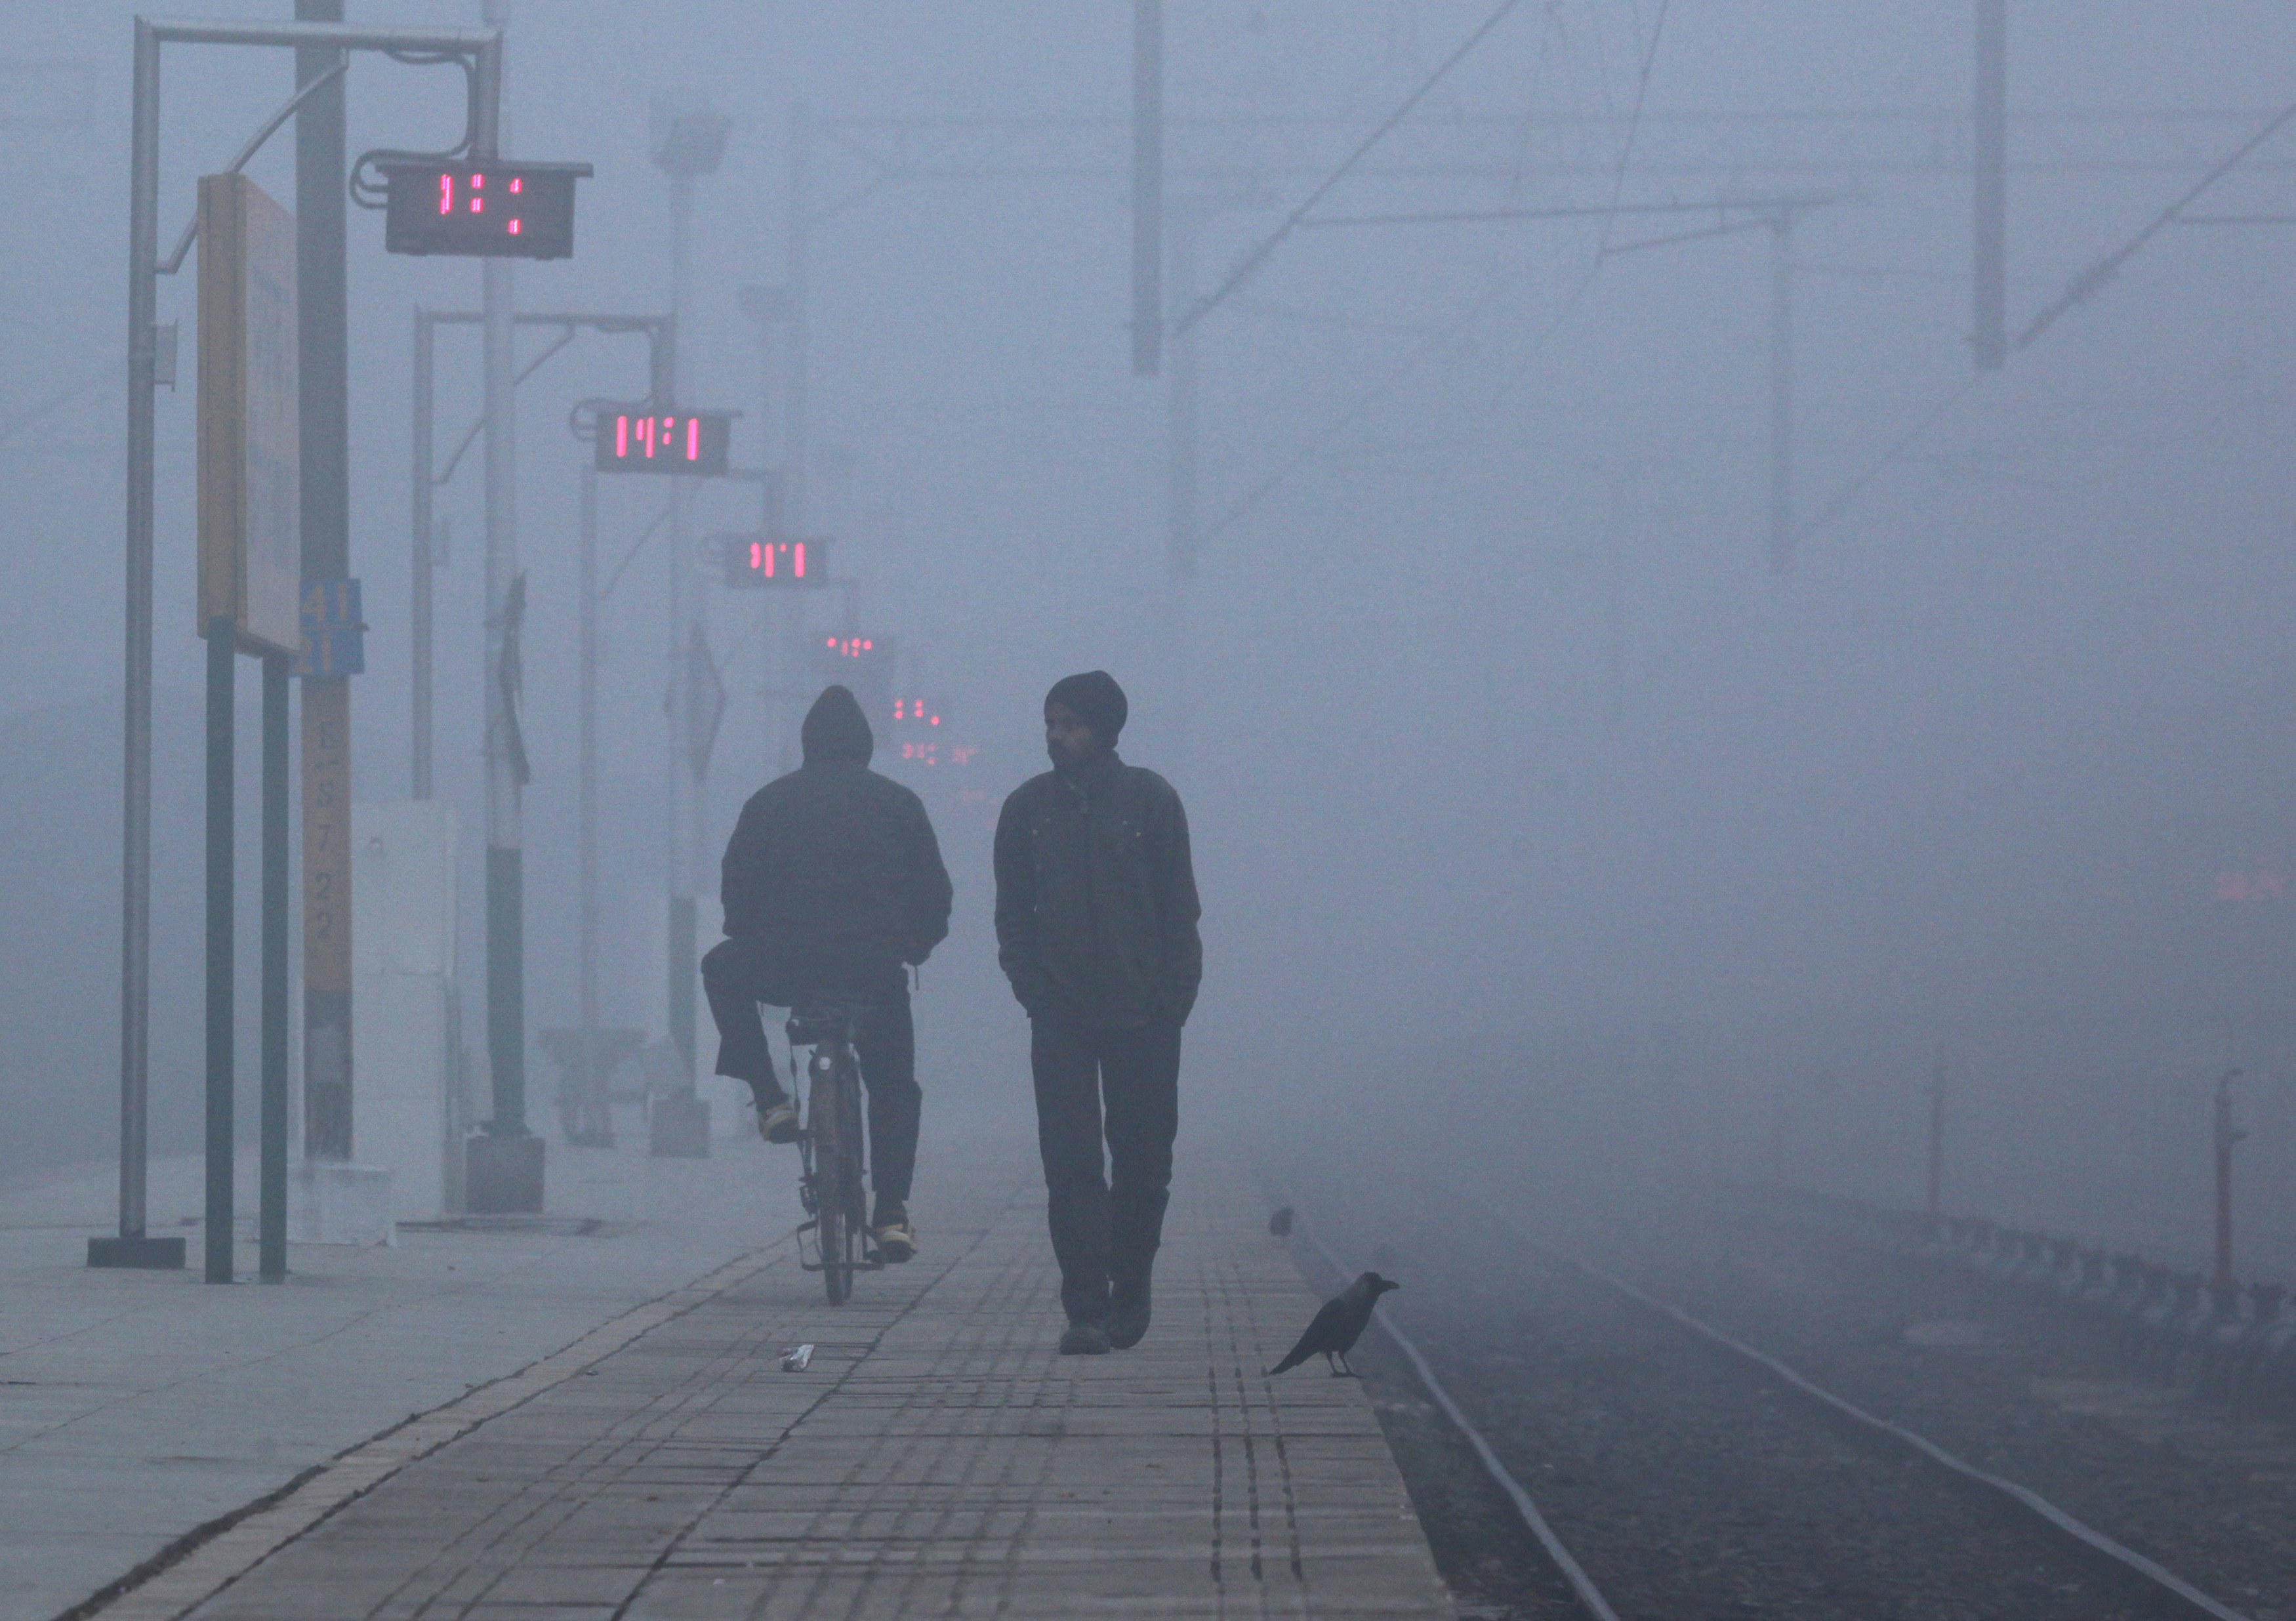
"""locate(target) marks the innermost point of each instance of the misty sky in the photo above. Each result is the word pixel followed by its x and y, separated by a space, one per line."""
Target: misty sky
pixel 1492 720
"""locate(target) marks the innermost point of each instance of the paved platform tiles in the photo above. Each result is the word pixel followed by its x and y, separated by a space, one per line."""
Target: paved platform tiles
pixel 937 1459
pixel 135 1407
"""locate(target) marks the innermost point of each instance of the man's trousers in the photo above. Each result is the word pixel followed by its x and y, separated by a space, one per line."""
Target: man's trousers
pixel 1107 1216
pixel 734 975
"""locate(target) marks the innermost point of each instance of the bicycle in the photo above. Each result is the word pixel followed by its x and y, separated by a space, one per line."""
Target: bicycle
pixel 830 1146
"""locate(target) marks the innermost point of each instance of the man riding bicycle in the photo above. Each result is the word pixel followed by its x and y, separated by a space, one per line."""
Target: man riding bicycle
pixel 832 884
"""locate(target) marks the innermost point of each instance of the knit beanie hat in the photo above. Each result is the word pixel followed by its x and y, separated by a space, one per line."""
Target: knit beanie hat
pixel 1096 700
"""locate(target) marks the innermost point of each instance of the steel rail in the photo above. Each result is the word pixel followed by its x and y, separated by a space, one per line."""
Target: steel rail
pixel 2065 1525
pixel 1581 1583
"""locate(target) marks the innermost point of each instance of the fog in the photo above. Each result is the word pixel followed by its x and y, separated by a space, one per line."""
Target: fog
pixel 1537 819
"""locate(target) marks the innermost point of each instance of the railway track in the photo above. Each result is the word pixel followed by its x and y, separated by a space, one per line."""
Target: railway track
pixel 1668 1469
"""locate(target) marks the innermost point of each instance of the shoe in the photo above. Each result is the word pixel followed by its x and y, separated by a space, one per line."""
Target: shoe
pixel 778 1123
pixel 1127 1316
pixel 897 1241
pixel 1083 1339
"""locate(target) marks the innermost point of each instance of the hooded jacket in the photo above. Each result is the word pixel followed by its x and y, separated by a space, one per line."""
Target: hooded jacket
pixel 1096 898
pixel 833 866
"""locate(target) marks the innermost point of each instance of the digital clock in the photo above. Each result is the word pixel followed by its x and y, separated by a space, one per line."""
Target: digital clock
pixel 483 209
pixel 754 561
pixel 664 442
pixel 916 730
pixel 865 664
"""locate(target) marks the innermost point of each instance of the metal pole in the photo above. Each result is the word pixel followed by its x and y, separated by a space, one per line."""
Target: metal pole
pixel 1935 1202
pixel 271 1221
pixel 1180 402
pixel 505 875
pixel 587 826
pixel 771 305
pixel 425 564
pixel 1989 326
pixel 2227 1132
pixel 505 853
pixel 771 515
pixel 1181 437
pixel 795 447
pixel 685 625
pixel 1147 186
pixel 1781 382
pixel 222 655
pixel 800 253
pixel 135 776
pixel 324 404
pixel 1614 609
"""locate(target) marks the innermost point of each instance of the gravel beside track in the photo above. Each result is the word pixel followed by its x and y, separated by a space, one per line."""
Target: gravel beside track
pixel 2015 1384
pixel 1691 1487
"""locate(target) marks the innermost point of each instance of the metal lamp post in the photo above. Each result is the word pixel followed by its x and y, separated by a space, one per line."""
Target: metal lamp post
pixel 688 143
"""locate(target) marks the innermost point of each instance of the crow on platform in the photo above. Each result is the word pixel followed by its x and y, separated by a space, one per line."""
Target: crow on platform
pixel 1338 1325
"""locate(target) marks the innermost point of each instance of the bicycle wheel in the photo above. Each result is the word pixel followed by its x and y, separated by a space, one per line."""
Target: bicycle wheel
pixel 857 1236
pixel 832 1201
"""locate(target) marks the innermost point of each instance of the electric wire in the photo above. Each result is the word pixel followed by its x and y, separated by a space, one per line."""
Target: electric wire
pixel 1386 387
pixel 1259 256
pixel 2090 282
pixel 2082 288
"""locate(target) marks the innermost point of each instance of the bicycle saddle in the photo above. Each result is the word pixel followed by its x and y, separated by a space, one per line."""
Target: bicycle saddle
pixel 818 1019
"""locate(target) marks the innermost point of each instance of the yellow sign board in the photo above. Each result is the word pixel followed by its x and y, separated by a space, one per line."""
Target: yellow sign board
pixel 250 481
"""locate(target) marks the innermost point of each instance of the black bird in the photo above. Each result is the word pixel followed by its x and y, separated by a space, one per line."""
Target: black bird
pixel 1280 1224
pixel 1337 1326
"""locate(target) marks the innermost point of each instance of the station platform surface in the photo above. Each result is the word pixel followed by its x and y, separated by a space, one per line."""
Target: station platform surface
pixel 936 1458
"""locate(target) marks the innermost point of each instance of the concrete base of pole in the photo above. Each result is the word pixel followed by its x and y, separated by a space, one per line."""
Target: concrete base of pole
pixel 678 1127
pixel 503 1174
pixel 145 1254
pixel 332 1201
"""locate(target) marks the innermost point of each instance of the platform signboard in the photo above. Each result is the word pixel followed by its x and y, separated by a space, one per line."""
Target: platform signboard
pixel 249 464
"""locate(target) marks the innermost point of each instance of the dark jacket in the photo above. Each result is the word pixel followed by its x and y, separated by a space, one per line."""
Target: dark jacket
pixel 833 866
pixel 1096 898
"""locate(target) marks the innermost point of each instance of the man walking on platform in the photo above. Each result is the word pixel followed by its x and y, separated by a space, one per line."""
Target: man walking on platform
pixel 1096 928
pixel 833 882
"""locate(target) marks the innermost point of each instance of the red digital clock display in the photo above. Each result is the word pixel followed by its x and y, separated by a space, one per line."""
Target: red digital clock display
pixel 690 442
pixel 758 561
pixel 865 664
pixel 499 209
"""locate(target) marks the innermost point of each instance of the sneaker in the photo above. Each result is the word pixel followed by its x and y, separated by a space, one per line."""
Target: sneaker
pixel 1127 1316
pixel 1083 1339
pixel 897 1241
pixel 778 1123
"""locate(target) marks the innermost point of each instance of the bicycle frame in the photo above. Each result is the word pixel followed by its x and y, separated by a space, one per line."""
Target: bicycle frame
pixel 830 1150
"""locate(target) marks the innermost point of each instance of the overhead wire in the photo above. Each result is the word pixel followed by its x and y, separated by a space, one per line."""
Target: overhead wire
pixel 1506 281
pixel 1618 190
pixel 2079 290
pixel 1380 391
pixel 1250 262
pixel 2090 282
